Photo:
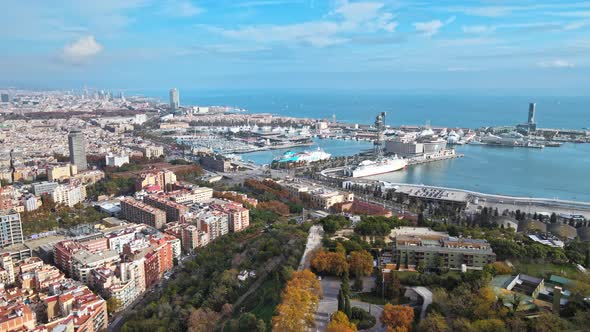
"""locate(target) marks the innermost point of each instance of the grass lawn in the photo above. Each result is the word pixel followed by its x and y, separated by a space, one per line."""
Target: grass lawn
pixel 262 303
pixel 542 270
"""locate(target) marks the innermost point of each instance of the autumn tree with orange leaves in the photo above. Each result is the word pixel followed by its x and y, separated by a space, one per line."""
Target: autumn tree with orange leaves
pixel 397 318
pixel 299 301
pixel 329 263
pixel 340 323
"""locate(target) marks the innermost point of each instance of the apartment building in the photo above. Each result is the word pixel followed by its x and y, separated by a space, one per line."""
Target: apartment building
pixel 141 213
pixel 192 196
pixel 112 160
pixel 163 179
pixel 17 317
pixel 174 211
pixel 152 151
pixel 191 237
pixel 321 197
pixel 11 230
pixel 61 172
pixel 45 187
pixel 69 195
pixel 432 250
pixel 238 215
pixel 213 222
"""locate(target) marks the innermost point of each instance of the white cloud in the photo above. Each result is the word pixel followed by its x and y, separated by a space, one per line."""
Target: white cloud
pixel 557 63
pixel 478 29
pixel 576 25
pixel 428 29
pixel 260 3
pixel 180 8
pixel 81 50
pixel 337 27
pixel 577 13
pixel 431 28
pixel 359 11
pixel 490 11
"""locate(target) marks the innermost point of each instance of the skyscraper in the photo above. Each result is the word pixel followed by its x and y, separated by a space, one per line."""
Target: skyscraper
pixel 174 99
pixel 77 145
pixel 532 110
pixel 5 98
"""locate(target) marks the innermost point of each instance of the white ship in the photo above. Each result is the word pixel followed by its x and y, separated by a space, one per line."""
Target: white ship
pixel 380 166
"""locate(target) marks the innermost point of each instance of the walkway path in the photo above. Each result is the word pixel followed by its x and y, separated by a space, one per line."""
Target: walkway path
pixel 329 305
pixel 314 241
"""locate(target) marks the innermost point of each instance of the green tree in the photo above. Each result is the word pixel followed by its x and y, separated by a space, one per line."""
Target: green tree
pixel 113 305
pixel 434 322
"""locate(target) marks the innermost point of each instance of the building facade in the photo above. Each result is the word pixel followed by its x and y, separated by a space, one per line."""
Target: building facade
pixel 11 230
pixel 141 213
pixel 77 147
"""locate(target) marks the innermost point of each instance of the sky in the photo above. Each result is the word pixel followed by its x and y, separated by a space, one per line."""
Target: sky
pixel 260 44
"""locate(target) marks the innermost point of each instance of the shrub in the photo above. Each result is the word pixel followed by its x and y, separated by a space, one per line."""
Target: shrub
pixel 362 318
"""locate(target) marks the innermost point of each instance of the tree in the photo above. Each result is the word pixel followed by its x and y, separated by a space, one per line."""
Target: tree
pixel 341 300
pixel 203 320
pixel 489 325
pixel 553 218
pixel 113 305
pixel 299 301
pixel 361 263
pixel 484 303
pixel 434 322
pixel 347 307
pixel 248 322
pixel 397 317
pixel 393 286
pixel 341 323
pixel 329 263
pixel 546 322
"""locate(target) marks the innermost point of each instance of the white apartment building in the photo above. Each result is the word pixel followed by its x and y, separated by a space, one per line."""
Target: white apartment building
pixel 69 195
pixel 116 161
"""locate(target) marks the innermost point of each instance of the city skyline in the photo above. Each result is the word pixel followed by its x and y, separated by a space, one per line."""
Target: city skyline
pixel 298 44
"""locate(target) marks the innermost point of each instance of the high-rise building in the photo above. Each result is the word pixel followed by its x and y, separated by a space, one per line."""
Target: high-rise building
pixel 11 229
pixel 77 145
pixel 174 99
pixel 532 110
pixel 5 98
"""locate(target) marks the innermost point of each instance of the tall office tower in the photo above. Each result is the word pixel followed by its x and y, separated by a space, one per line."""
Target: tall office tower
pixel 532 110
pixel 5 98
pixel 11 229
pixel 174 99
pixel 77 145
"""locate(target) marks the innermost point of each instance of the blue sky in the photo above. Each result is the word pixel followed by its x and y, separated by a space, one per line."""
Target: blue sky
pixel 156 44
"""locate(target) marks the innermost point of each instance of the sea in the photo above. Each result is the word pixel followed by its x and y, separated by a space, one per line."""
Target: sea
pixel 560 173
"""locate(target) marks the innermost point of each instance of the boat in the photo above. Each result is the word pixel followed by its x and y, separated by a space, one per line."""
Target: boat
pixel 305 156
pixel 552 144
pixel 375 167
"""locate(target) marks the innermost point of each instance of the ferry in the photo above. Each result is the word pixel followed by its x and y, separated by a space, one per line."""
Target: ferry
pixel 375 167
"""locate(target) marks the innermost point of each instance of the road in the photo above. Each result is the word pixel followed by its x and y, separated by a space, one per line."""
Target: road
pixel 314 241
pixel 329 305
pixel 426 295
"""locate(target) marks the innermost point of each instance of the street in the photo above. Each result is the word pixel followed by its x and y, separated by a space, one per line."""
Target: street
pixel 329 305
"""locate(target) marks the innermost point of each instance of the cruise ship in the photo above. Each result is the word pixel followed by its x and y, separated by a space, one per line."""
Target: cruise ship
pixel 380 166
pixel 303 157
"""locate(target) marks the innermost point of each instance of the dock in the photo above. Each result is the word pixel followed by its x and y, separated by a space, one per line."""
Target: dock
pixel 416 161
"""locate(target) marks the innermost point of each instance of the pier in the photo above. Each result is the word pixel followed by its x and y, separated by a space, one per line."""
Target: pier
pixel 418 161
